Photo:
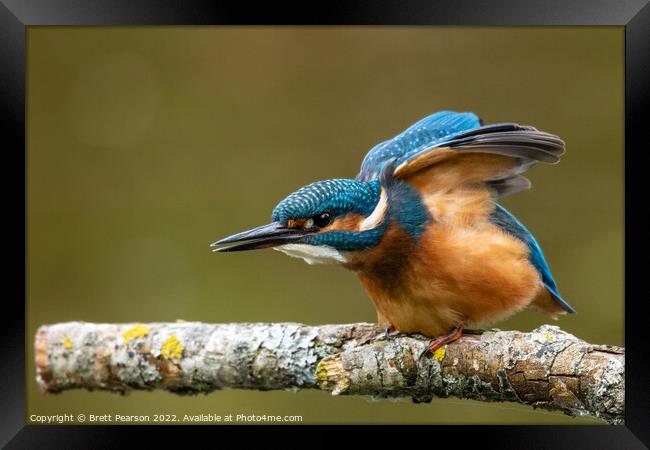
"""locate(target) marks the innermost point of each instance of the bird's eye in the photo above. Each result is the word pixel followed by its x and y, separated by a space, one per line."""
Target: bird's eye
pixel 322 220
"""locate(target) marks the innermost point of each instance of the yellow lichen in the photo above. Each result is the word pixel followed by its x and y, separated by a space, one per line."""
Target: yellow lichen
pixel 67 343
pixel 321 372
pixel 549 336
pixel 137 331
pixel 171 348
pixel 331 376
pixel 440 354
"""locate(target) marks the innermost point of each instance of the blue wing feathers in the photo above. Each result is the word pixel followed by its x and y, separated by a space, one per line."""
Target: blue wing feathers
pixel 433 130
pixel 509 223
pixel 463 132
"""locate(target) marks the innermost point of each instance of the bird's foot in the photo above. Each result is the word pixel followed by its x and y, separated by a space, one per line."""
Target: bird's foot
pixel 390 329
pixel 438 342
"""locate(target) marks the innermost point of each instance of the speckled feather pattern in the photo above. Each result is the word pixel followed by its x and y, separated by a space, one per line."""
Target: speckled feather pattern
pixel 336 196
pixel 434 129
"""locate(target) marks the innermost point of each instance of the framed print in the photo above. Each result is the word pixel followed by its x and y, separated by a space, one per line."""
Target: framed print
pixel 155 142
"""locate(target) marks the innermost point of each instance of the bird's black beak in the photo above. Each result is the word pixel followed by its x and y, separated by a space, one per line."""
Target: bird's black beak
pixel 270 235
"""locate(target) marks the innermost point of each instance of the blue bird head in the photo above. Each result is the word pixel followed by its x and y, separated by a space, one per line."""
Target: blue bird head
pixel 310 222
pixel 335 198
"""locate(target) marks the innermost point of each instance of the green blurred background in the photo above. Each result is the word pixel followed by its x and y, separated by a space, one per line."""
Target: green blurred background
pixel 147 144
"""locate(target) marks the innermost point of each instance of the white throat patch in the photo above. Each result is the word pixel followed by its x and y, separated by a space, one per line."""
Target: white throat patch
pixel 313 254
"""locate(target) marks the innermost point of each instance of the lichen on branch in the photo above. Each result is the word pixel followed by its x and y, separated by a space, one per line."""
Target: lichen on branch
pixel 545 368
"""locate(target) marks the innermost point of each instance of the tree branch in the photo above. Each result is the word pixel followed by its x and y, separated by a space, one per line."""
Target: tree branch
pixel 545 368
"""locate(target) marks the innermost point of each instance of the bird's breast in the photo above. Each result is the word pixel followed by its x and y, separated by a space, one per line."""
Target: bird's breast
pixel 388 262
pixel 454 272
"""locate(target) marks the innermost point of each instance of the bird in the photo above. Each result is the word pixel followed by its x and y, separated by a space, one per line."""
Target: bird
pixel 422 228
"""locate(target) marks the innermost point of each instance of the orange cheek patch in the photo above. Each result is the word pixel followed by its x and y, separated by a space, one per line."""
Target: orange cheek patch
pixel 296 223
pixel 348 222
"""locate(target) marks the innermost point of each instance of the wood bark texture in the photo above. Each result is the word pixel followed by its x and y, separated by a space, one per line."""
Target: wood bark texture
pixel 545 368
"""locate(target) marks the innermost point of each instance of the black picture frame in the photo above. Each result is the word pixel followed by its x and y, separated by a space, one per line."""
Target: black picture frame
pixel 17 15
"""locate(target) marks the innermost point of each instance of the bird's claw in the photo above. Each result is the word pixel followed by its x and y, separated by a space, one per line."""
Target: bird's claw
pixel 438 342
pixel 390 330
pixel 432 346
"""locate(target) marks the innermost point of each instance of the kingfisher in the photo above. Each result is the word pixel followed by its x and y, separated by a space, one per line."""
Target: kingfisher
pixel 421 226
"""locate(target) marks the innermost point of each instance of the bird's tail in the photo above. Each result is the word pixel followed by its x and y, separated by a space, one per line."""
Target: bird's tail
pixel 546 304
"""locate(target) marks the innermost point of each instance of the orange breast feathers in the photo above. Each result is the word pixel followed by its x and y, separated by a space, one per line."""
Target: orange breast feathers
pixel 463 269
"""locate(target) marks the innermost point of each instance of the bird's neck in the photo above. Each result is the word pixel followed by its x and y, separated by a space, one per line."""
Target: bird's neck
pixel 406 209
pixel 396 224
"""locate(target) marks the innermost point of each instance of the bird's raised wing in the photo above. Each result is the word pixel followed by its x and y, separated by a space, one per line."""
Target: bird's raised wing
pixel 447 149
pixel 427 133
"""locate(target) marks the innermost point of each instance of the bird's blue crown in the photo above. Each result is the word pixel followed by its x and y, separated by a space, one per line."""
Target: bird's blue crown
pixel 337 197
